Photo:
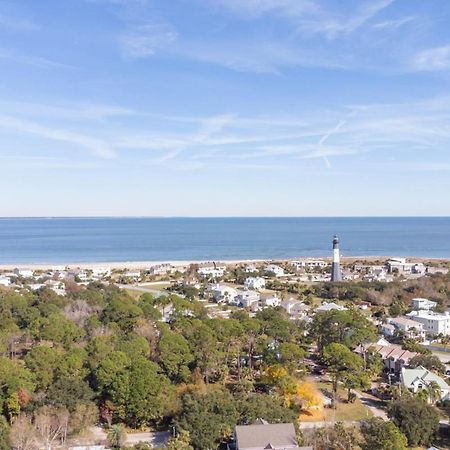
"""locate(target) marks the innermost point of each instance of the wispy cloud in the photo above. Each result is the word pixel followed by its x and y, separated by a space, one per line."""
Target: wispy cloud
pixel 32 60
pixel 141 41
pixel 96 146
pixel 437 58
pixel 394 23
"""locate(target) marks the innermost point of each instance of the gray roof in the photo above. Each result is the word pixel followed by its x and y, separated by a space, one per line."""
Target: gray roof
pixel 262 436
pixel 423 375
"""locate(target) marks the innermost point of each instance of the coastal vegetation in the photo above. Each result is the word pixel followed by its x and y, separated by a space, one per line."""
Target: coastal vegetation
pixel 106 356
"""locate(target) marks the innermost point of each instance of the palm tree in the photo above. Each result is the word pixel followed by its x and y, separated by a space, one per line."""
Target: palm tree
pixel 116 436
pixel 434 392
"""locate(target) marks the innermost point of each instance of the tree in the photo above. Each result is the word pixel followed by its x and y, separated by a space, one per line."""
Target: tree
pixel 381 435
pixel 116 436
pixel 208 418
pixel 416 419
pixel 51 424
pixel 267 407
pixel 5 442
pixel 43 362
pixel 338 437
pixel 430 362
pixel 348 327
pixel 175 356
pixel 434 392
pixel 180 442
pixel 344 365
pixel 23 434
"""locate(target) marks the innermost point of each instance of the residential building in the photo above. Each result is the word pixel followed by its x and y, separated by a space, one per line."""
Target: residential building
pixel 295 308
pixel 401 266
pixel 407 327
pixel 309 264
pixel 132 276
pixel 423 303
pixel 394 356
pixel 271 301
pixel 274 269
pixel 212 271
pixel 387 329
pixel 5 281
pixel 433 323
pixel 250 268
pixel 247 298
pixel 262 435
pixel 101 272
pixel 324 307
pixel 420 378
pixel 222 293
pixel 25 273
pixel 256 283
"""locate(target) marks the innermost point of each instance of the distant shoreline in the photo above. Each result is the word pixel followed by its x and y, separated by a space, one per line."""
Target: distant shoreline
pixel 147 264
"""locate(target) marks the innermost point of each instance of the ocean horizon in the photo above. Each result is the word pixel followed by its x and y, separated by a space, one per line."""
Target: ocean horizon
pixel 115 239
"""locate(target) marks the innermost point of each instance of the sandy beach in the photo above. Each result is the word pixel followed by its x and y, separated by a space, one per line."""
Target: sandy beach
pixel 142 265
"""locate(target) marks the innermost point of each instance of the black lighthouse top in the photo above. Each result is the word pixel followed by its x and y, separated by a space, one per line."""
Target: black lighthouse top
pixel 335 241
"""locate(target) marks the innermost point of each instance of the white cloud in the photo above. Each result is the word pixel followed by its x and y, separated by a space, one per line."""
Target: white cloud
pixel 141 41
pixel 94 145
pixel 16 24
pixel 432 59
pixel 394 23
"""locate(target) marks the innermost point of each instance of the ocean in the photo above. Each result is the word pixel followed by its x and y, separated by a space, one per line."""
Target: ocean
pixel 69 240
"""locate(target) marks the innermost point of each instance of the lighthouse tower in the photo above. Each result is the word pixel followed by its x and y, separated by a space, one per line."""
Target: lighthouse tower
pixel 336 274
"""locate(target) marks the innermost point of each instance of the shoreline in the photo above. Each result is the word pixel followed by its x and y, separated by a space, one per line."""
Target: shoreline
pixel 178 263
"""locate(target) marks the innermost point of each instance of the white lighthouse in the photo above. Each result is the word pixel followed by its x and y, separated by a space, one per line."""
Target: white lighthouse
pixel 336 274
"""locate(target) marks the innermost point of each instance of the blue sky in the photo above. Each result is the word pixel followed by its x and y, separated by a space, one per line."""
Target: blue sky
pixel 224 107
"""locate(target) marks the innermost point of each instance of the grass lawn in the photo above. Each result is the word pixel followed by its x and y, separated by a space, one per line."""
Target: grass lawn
pixel 344 411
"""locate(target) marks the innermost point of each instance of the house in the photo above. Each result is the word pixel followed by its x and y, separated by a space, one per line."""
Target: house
pixel 387 329
pixel 423 303
pixel 295 308
pixel 263 435
pixel 407 327
pixel 212 271
pixel 402 267
pixel 247 298
pixel 420 378
pixel 433 323
pixel 274 269
pixel 256 283
pixel 5 280
pixel 324 307
pixel 222 292
pixel 270 302
pixel 25 273
pixel 132 276
pixel 101 272
pixel 250 269
pixel 309 264
pixel 393 356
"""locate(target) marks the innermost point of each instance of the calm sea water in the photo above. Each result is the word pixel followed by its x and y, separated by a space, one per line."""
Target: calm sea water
pixel 59 240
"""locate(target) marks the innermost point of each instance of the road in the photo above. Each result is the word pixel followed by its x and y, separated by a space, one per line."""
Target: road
pixel 158 439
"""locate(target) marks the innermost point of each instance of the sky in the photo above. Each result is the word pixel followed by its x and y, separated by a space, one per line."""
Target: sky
pixel 224 107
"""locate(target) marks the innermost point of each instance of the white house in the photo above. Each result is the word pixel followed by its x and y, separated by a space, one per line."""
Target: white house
pixel 274 269
pixel 212 271
pixel 256 283
pixel 101 272
pixel 420 378
pixel 433 323
pixel 132 275
pixel 247 298
pixel 250 268
pixel 408 327
pixel 309 263
pixel 25 273
pixel 401 266
pixel 295 308
pixel 5 281
pixel 423 303
pixel 324 307
pixel 222 292
pixel 272 301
